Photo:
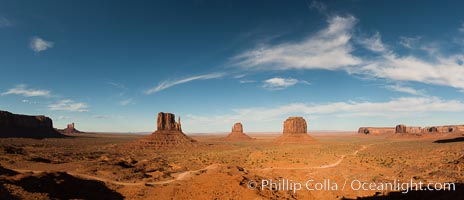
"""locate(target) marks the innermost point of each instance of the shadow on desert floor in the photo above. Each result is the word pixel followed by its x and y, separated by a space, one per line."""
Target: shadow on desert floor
pixel 56 185
pixel 456 194
pixel 451 140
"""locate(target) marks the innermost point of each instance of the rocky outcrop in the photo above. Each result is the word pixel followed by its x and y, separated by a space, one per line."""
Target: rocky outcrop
pixel 237 133
pixel 295 125
pixel 376 130
pixel 168 134
pixel 167 122
pixel 71 129
pixel 400 128
pixel 14 125
pixel 295 131
pixel 412 130
pixel 237 128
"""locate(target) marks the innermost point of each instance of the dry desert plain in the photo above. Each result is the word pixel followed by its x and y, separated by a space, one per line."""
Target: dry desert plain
pixel 114 166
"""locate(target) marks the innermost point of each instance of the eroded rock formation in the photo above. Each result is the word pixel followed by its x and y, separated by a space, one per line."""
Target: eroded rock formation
pixel 400 128
pixel 412 130
pixel 237 133
pixel 295 125
pixel 295 130
pixel 376 130
pixel 169 133
pixel 237 128
pixel 14 125
pixel 407 129
pixel 70 128
pixel 167 122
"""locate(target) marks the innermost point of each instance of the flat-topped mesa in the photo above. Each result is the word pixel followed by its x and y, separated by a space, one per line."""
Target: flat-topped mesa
pixel 403 130
pixel 167 122
pixel 237 133
pixel 14 125
pixel 377 130
pixel 295 131
pixel 295 125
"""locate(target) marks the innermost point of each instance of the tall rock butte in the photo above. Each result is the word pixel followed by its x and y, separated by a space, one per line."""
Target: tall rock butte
pixel 70 129
pixel 237 133
pixel 169 133
pixel 295 125
pixel 295 130
pixel 14 125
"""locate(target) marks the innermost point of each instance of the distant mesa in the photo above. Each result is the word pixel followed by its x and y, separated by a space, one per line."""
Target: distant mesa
pixel 25 126
pixel 434 129
pixel 404 130
pixel 376 130
pixel 70 129
pixel 295 130
pixel 237 133
pixel 169 133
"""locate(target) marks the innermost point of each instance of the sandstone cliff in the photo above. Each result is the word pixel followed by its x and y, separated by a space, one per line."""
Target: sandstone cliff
pixel 14 125
pixel 295 131
pixel 403 130
pixel 295 125
pixel 377 130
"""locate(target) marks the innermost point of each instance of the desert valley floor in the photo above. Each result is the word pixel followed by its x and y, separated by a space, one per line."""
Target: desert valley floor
pixel 114 166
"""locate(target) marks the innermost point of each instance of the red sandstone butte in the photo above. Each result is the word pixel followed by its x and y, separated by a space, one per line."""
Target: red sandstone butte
pixel 169 133
pixel 237 133
pixel 71 129
pixel 295 131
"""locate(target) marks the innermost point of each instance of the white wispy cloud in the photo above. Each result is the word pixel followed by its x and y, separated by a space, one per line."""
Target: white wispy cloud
pixel 398 107
pixel 409 42
pixel 443 70
pixel 64 117
pixel 102 116
pixel 319 6
pixel 278 83
pixel 117 85
pixel 247 81
pixel 29 101
pixel 69 105
pixel 405 89
pixel 170 83
pixel 4 22
pixel 373 43
pixel 316 52
pixel 38 44
pixel 126 102
pixel 240 76
pixel 461 28
pixel 332 49
pixel 23 90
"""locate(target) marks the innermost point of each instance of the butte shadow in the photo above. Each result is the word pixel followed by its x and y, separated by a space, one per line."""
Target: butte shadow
pixel 55 185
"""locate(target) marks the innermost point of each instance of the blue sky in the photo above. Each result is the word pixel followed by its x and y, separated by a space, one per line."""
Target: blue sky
pixel 113 65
